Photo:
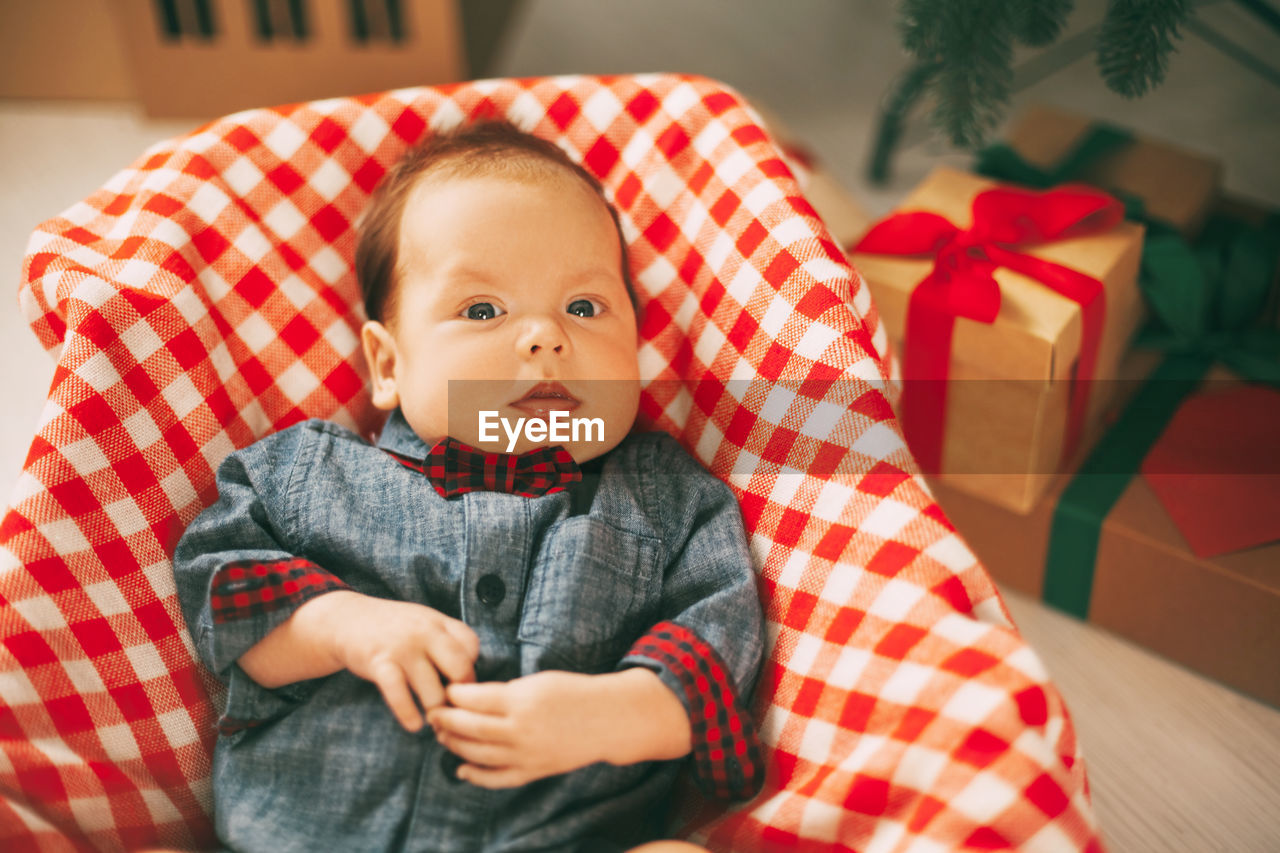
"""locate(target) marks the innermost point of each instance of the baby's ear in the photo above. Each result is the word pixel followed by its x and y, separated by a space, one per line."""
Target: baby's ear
pixel 380 354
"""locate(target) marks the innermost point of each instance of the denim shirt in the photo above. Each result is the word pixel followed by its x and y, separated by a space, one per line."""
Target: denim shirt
pixel 569 580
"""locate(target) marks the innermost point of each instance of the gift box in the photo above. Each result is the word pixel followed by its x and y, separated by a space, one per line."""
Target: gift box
pixel 1263 221
pixel 1173 185
pixel 1166 531
pixel 1017 375
pixel 1216 613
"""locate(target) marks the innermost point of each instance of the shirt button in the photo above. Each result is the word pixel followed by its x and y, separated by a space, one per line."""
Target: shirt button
pixel 449 764
pixel 490 590
pixel 735 773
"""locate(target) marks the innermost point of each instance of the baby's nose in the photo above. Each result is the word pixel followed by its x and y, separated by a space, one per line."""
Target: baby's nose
pixel 543 335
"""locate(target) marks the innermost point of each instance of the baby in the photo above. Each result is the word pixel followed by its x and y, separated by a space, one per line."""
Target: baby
pixel 504 625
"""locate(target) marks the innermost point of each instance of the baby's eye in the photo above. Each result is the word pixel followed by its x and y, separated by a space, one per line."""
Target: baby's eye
pixel 482 311
pixel 584 308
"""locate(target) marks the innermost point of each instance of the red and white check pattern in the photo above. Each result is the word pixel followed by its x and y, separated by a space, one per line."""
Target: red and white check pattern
pixel 204 298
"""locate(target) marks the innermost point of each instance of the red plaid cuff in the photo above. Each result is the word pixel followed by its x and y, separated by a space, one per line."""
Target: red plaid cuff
pixel 249 588
pixel 726 752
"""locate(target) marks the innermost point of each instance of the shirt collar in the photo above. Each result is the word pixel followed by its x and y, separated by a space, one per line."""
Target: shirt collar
pixel 398 437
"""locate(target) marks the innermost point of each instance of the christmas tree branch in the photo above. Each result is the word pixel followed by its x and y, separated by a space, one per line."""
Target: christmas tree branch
pixel 1039 23
pixel 963 51
pixel 1135 42
pixel 906 91
pixel 970 45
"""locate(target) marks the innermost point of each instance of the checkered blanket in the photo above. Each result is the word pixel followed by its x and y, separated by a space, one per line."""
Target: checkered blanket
pixel 204 298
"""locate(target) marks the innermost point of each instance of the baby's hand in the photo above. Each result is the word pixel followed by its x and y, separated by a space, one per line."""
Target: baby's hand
pixel 511 733
pixel 401 647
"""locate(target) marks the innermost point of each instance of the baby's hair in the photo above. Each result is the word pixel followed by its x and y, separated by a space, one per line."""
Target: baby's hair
pixel 496 148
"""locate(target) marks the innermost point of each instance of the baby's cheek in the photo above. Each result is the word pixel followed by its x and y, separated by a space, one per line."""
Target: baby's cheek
pixel 615 405
pixel 426 405
pixel 622 402
pixel 465 400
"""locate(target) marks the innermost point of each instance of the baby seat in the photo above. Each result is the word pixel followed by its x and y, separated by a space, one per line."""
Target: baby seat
pixel 204 298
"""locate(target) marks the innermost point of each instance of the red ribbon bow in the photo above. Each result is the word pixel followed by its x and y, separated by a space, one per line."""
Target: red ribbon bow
pixel 962 284
pixel 455 468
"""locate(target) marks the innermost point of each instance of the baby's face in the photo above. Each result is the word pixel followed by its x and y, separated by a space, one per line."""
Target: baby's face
pixel 514 291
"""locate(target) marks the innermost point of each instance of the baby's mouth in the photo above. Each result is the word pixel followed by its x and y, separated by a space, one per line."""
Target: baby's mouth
pixel 546 397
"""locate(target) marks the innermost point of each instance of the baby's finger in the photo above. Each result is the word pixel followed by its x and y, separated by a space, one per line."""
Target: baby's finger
pixel 451 657
pixel 425 682
pixel 395 692
pixel 489 697
pixel 471 725
pixel 493 778
pixel 485 754
pixel 466 636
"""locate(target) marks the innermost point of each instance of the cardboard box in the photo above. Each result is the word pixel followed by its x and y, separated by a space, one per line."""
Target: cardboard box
pixel 1176 185
pixel 203 58
pixel 1218 616
pixel 62 49
pixel 1010 381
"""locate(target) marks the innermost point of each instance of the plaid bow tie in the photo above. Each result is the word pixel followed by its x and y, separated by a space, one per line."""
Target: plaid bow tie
pixel 455 468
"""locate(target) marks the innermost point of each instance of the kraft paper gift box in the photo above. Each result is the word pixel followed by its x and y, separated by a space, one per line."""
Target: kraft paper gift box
pixel 1176 186
pixel 1167 532
pixel 1218 614
pixel 1010 382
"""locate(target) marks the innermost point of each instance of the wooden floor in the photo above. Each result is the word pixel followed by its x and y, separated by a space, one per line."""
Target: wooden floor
pixel 1176 762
